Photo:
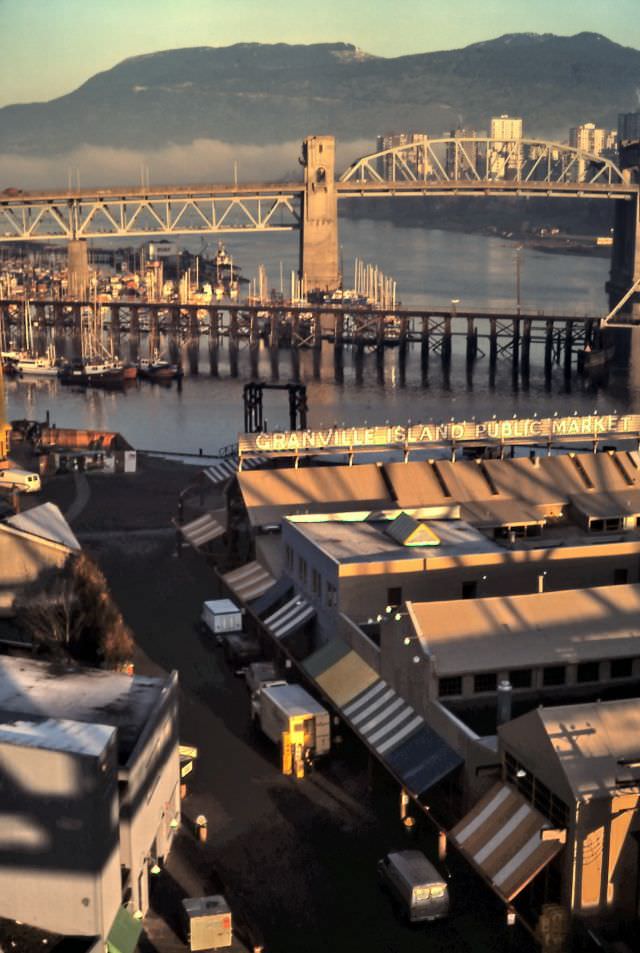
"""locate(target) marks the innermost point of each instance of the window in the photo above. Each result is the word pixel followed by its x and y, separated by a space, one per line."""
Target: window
pixel 289 557
pixel 394 597
pixel 620 577
pixel 469 589
pixel 521 678
pixel 331 595
pixel 316 582
pixel 302 570
pixel 536 792
pixel 485 682
pixel 450 686
pixel 621 668
pixel 553 675
pixel 588 672
pixel 613 525
pixel 596 526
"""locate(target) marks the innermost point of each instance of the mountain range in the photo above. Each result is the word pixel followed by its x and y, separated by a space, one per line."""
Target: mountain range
pixel 259 94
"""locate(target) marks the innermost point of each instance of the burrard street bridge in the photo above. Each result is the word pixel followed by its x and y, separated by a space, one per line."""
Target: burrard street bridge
pixel 474 167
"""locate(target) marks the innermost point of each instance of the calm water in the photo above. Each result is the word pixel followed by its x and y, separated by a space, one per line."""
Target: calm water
pixel 430 267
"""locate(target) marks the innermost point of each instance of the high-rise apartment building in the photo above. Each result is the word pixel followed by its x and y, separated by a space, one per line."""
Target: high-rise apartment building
pixel 416 159
pixel 589 138
pixel 629 126
pixel 461 161
pixel 504 155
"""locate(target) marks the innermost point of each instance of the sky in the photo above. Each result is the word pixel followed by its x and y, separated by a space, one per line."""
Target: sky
pixel 50 47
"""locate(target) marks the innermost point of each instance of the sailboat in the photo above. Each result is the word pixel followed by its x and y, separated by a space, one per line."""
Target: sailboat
pixel 96 367
pixel 26 362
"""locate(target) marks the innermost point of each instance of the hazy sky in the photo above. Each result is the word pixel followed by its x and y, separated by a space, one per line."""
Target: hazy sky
pixel 49 47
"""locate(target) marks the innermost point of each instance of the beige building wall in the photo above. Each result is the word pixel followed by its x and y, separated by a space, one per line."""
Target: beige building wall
pixel 151 798
pixel 25 561
pixel 59 858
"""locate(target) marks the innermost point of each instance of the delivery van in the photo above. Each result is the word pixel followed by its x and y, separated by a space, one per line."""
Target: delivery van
pixel 420 890
pixel 23 480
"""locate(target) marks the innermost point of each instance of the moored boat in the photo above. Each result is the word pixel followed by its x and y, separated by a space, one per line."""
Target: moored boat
pixel 93 372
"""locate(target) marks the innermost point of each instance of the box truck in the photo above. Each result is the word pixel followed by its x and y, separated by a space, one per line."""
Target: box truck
pixel 290 717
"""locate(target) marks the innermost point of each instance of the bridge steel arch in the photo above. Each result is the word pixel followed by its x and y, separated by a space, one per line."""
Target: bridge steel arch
pixel 485 160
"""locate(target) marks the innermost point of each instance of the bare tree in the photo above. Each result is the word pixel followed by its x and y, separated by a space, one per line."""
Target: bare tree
pixel 75 616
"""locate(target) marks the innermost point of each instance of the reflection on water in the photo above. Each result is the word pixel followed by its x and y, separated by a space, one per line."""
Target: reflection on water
pixel 357 386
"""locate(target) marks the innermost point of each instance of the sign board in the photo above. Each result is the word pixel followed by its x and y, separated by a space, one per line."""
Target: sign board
pixel 423 436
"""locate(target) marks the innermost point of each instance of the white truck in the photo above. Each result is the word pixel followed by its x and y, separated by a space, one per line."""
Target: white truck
pixel 289 716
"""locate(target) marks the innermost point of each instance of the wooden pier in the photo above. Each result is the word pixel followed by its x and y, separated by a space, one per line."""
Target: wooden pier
pixel 570 341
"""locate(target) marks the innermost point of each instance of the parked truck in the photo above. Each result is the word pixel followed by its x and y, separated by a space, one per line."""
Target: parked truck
pixel 291 718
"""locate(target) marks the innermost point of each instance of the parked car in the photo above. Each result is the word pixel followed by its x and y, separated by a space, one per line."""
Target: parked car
pixel 414 883
pixel 240 649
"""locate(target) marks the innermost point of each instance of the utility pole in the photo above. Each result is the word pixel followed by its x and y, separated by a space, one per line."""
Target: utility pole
pixel 518 270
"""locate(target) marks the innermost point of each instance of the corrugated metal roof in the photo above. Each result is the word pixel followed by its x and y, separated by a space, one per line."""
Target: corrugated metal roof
pixel 415 484
pixel 501 837
pixel 550 628
pixel 249 581
pixel 495 512
pixel 608 505
pixel 290 617
pixel 315 484
pixel 47 522
pixel 202 530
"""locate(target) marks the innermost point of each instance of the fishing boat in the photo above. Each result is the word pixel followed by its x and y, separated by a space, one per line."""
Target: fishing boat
pixel 157 369
pixel 96 367
pixel 93 372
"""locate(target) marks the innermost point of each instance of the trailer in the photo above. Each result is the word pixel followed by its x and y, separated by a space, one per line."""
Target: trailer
pixel 291 718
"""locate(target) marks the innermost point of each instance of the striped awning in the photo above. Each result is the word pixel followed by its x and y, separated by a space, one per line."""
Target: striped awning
pixel 400 737
pixel 340 672
pixel 503 837
pixel 290 617
pixel 202 530
pixel 249 581
pixel 227 467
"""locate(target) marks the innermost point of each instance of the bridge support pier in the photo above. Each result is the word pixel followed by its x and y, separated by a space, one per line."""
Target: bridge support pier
pixel 78 267
pixel 319 220
pixel 568 349
pixel 625 255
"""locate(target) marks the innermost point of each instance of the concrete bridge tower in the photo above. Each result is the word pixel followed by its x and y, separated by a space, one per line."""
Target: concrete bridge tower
pixel 319 226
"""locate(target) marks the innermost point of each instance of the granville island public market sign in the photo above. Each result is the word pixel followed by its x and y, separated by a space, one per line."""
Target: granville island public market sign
pixel 421 436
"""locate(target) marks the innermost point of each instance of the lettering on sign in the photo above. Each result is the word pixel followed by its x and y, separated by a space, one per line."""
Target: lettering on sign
pixel 593 426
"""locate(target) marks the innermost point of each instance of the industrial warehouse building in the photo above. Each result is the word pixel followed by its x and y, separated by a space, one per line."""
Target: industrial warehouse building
pixel 408 592
pixel 89 770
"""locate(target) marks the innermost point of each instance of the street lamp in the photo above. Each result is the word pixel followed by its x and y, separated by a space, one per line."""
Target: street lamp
pixel 454 303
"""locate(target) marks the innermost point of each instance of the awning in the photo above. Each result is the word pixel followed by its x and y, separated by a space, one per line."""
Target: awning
pixel 415 753
pixel 503 838
pixel 290 617
pixel 124 934
pixel 249 581
pixel 282 589
pixel 202 530
pixel 227 467
pixel 340 672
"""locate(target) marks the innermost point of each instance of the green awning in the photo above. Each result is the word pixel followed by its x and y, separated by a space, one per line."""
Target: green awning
pixel 124 934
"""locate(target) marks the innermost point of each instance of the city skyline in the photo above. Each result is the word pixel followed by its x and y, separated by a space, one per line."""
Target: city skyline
pixel 82 39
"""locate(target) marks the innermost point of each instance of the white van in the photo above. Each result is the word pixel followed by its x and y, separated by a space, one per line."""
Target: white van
pixel 416 884
pixel 23 480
